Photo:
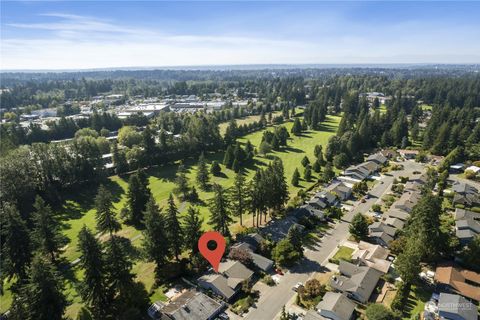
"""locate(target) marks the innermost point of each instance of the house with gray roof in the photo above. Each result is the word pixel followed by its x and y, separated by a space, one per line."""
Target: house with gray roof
pixel 259 261
pixel 327 197
pixel 338 188
pixel 357 282
pixel 456 307
pixel 407 201
pixel 336 306
pixel 308 211
pixel 278 229
pixel 381 233
pixel 399 214
pixel 191 304
pixel 317 203
pixel 253 239
pixel 465 194
pixel 228 281
pixel 394 222
pixel 378 158
pixel 467 225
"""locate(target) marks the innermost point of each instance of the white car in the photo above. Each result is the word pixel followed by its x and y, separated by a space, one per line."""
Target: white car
pixel 297 286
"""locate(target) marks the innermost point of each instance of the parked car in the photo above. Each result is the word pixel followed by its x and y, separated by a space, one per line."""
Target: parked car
pixel 297 286
pixel 279 271
pixel 223 316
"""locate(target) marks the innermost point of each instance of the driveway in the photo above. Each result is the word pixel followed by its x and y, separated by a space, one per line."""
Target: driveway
pixel 272 299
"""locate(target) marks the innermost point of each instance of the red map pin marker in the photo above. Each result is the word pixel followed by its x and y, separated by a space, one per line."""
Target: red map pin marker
pixel 212 256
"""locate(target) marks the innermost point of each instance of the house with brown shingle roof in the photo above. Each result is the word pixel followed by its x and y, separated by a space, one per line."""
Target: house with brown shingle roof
pixel 451 278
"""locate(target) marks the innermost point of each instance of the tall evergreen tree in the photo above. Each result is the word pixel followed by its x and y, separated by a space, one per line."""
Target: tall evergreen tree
pixel 297 127
pixel 46 233
pixel 229 157
pixel 41 297
pixel 192 229
pixel 307 173
pixel 181 182
pixel 137 196
pixel 215 168
pixel 119 266
pixel 94 288
pixel 106 217
pixel 295 178
pixel 16 245
pixel 220 217
pixel 155 241
pixel 239 196
pixel 202 173
pixel 173 229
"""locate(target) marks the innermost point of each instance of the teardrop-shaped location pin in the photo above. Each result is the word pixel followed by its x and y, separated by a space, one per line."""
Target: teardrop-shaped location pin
pixel 213 256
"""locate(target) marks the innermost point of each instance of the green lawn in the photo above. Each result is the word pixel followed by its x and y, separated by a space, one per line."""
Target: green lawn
pixel 343 253
pixel 78 209
pixel 416 301
pixel 246 120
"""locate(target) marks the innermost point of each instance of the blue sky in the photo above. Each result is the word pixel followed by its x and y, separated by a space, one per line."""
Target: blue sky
pixel 92 34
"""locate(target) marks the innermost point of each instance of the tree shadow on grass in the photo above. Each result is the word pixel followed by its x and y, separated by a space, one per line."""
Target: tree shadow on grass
pixel 291 149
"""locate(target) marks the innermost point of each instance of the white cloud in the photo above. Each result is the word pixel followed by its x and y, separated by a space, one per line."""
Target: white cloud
pixel 73 42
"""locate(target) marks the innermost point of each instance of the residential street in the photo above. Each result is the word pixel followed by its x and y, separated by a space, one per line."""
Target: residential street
pixel 272 299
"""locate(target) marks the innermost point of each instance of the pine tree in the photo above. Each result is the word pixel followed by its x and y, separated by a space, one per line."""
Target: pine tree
pixel 305 161
pixel 297 127
pixel 119 160
pixel 215 168
pixel 46 233
pixel 41 297
pixel 279 191
pixel 148 144
pixel 94 288
pixel 229 157
pixel 106 220
pixel 359 227
pixel 220 211
pixel 307 173
pixel 317 166
pixel 264 148
pixel 137 197
pixel 119 266
pixel 173 229
pixel 155 242
pixel 202 173
pixel 181 182
pixel 192 229
pixel 236 166
pixel 239 196
pixel 295 178
pixel 328 172
pixel 16 245
pixel 294 236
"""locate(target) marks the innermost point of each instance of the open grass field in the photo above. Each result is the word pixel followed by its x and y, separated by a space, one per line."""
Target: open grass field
pixel 78 209
pixel 246 120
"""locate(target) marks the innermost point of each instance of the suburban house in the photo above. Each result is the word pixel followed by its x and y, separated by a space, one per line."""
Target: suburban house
pixel 407 201
pixel 450 278
pixel 357 282
pixel 389 153
pixel 191 304
pixel 408 154
pixel 455 307
pixel 228 281
pixel 336 306
pixel 317 203
pixel 378 158
pixel 329 198
pixel 465 194
pixel 394 222
pixel 308 211
pixel 277 230
pixel 381 233
pixel 396 213
pixel 372 255
pixel 338 188
pixel 253 239
pixel 259 261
